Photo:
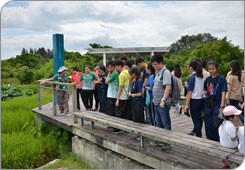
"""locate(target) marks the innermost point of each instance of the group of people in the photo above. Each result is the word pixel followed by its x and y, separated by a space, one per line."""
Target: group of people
pixel 143 92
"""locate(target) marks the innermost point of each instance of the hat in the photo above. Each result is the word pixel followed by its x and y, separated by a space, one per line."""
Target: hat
pixel 231 110
pixel 61 69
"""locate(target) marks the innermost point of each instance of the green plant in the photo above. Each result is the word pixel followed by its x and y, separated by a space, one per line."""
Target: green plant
pixel 25 75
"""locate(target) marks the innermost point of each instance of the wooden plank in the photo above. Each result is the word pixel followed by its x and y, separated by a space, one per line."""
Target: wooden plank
pixel 56 83
pixel 39 97
pixel 74 102
pixel 169 139
pixel 159 161
pixel 54 100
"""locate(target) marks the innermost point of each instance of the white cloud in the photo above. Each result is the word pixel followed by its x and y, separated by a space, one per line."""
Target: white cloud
pixel 119 24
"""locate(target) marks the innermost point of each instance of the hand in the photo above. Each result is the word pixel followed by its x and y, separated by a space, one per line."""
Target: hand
pixel 204 92
pixel 117 103
pixel 162 104
pixel 42 82
pixel 129 94
pixel 241 100
pixel 221 110
pixel 228 102
pixel 185 109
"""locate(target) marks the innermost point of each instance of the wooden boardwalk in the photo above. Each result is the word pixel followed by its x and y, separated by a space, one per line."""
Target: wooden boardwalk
pixel 127 145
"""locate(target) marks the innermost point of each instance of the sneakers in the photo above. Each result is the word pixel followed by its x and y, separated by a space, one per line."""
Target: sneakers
pixel 117 131
pixel 109 128
pixel 192 133
pixel 95 109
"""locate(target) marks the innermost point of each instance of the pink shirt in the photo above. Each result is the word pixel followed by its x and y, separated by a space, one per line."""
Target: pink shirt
pixel 75 79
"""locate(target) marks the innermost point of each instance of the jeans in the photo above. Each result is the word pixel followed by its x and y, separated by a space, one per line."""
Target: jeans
pixel 162 116
pixel 88 98
pixel 210 119
pixel 235 103
pixel 196 106
pixel 153 114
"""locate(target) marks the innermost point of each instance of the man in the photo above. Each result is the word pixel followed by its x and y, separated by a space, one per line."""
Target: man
pixel 161 91
pixel 112 81
pixel 140 62
pixel 122 102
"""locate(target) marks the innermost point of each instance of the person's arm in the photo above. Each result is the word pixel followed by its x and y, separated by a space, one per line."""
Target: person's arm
pixel 146 79
pixel 165 95
pixel 222 105
pixel 81 81
pixel 188 98
pixel 229 81
pixel 148 88
pixel 106 80
pixel 44 81
pixel 118 95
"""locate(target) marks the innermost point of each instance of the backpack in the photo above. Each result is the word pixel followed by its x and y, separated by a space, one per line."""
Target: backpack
pixel 175 91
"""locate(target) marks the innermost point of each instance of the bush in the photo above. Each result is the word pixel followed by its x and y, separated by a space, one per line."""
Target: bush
pixel 25 75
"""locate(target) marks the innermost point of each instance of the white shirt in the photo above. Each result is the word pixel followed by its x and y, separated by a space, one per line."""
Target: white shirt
pixel 241 140
pixel 227 131
pixel 195 84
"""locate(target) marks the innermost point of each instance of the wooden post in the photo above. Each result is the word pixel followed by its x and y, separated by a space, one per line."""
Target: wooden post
pixel 92 125
pixel 39 97
pixel 74 102
pixel 142 141
pixel 54 99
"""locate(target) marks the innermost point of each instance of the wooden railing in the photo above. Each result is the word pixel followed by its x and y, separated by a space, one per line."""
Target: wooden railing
pixel 54 90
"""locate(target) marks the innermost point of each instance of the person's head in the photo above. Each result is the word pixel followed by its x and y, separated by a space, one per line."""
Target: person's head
pixel 123 59
pixel 62 70
pixel 127 64
pixel 177 70
pixel 74 70
pixel 230 113
pixel 119 65
pixel 140 62
pixel 132 61
pixel 213 68
pixel 96 67
pixel 110 66
pixel 195 66
pixel 150 69
pixel 236 69
pixel 102 68
pixel 134 73
pixel 157 62
pixel 87 69
pixel 204 64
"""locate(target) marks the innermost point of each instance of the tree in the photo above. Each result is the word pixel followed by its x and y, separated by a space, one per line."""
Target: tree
pixel 28 59
pixel 23 51
pixel 25 75
pixel 188 42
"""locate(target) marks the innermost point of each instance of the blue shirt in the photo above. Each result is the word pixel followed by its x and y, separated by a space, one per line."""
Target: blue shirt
pixel 150 84
pixel 103 85
pixel 137 88
pixel 145 75
pixel 221 86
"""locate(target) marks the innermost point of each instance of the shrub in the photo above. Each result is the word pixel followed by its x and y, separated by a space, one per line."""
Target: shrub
pixel 25 75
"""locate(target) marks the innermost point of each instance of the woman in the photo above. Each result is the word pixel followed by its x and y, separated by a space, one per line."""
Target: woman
pixel 235 86
pixel 103 97
pixel 194 95
pixel 178 74
pixel 63 93
pixel 75 79
pixel 137 105
pixel 87 83
pixel 150 118
pixel 215 88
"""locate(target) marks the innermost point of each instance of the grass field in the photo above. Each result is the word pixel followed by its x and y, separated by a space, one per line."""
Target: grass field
pixel 23 146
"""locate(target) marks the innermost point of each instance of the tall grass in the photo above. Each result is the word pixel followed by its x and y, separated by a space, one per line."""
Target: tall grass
pixel 22 145
pixel 16 114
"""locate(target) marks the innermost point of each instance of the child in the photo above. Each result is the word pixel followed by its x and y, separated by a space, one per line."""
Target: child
pixel 228 133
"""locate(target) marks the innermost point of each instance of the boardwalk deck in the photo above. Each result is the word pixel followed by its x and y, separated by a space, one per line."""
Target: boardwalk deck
pixel 126 144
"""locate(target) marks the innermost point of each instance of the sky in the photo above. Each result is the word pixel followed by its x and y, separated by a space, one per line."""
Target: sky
pixel 30 24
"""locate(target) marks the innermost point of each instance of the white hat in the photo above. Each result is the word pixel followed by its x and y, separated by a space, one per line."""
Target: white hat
pixel 62 68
